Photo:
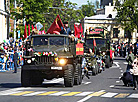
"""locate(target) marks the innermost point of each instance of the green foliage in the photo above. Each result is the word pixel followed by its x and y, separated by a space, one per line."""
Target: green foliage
pixel 127 14
pixel 88 10
pixel 45 11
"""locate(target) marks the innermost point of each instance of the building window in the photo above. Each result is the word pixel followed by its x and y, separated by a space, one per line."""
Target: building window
pixel 127 34
pixel 115 32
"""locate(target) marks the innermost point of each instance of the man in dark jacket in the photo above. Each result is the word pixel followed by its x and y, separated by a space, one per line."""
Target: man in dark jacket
pixel 15 59
pixel 67 30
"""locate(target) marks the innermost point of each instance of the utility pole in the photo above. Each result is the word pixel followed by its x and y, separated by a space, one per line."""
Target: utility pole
pixel 15 21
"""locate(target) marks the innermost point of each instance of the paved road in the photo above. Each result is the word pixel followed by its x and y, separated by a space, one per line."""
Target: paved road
pixel 104 87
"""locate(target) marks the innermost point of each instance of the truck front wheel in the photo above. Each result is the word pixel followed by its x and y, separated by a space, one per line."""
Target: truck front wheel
pixel 78 75
pixel 25 78
pixel 69 76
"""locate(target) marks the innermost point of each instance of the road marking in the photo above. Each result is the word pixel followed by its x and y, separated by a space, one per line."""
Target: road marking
pixel 34 93
pixel 84 94
pixel 120 68
pixel 55 81
pixel 116 63
pixel 22 93
pixel 125 62
pixel 71 93
pixel 88 97
pixel 133 96
pixel 122 95
pixel 48 93
pixel 9 93
pixel 121 71
pixel 117 81
pixel 122 74
pixel 59 93
pixel 87 83
pixel 15 89
pixel 112 86
pixel 97 93
pixel 119 77
pixel 109 94
pixel 84 99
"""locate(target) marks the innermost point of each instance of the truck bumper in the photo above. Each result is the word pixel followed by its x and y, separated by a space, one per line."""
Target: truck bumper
pixel 34 67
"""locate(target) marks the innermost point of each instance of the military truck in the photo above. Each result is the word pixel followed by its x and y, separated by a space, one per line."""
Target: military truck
pixel 102 48
pixel 51 56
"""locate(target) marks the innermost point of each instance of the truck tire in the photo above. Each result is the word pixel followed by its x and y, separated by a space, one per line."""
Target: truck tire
pixel 78 75
pixel 25 78
pixel 107 62
pixel 111 63
pixel 69 76
pixel 36 78
pixel 97 69
pixel 94 71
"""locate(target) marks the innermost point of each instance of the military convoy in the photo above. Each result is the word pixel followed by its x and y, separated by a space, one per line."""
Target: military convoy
pixel 56 56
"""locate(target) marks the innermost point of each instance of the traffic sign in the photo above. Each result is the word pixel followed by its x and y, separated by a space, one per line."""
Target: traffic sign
pixel 39 25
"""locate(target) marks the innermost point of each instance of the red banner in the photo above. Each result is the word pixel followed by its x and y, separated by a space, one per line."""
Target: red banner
pixel 79 49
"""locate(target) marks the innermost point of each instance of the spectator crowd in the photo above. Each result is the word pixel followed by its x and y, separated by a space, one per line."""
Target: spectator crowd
pixel 7 54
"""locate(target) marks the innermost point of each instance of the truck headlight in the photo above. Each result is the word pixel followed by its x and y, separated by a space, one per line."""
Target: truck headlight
pixel 29 61
pixel 62 61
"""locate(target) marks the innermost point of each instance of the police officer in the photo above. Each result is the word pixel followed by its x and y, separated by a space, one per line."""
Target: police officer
pixel 15 59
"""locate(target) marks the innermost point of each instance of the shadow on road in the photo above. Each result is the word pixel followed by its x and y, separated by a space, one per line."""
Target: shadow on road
pixel 10 85
pixel 45 85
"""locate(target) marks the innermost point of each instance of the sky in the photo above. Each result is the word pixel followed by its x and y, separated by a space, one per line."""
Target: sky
pixel 81 2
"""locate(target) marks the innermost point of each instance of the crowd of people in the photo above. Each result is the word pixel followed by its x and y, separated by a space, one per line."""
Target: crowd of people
pixel 130 53
pixel 11 53
pixel 123 49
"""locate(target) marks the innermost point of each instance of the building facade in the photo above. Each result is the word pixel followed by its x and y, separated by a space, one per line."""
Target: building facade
pixel 4 20
pixel 105 18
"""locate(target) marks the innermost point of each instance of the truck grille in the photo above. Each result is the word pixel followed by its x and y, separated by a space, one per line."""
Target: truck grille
pixel 45 60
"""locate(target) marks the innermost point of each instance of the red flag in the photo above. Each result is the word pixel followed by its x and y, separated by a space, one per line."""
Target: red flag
pixel 94 42
pixel 56 26
pixel 80 28
pixel 25 32
pixel 76 31
pixel 32 27
pixel 28 29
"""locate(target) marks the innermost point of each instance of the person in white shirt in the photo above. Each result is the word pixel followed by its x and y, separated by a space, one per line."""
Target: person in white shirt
pixel 135 71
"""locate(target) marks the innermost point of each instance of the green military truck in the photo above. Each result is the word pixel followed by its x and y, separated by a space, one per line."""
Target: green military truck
pixel 102 48
pixel 51 56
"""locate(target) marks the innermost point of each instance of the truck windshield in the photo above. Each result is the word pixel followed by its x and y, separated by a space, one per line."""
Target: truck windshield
pixel 49 40
pixel 56 40
pixel 40 41
pixel 98 42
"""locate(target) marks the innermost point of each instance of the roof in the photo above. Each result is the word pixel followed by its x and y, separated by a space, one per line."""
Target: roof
pixel 98 17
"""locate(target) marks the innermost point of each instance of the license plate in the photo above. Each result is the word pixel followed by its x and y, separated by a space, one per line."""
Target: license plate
pixel 57 68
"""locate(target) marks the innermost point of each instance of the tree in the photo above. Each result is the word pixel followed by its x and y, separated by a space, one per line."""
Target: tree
pixel 127 14
pixel 31 10
pixel 88 10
